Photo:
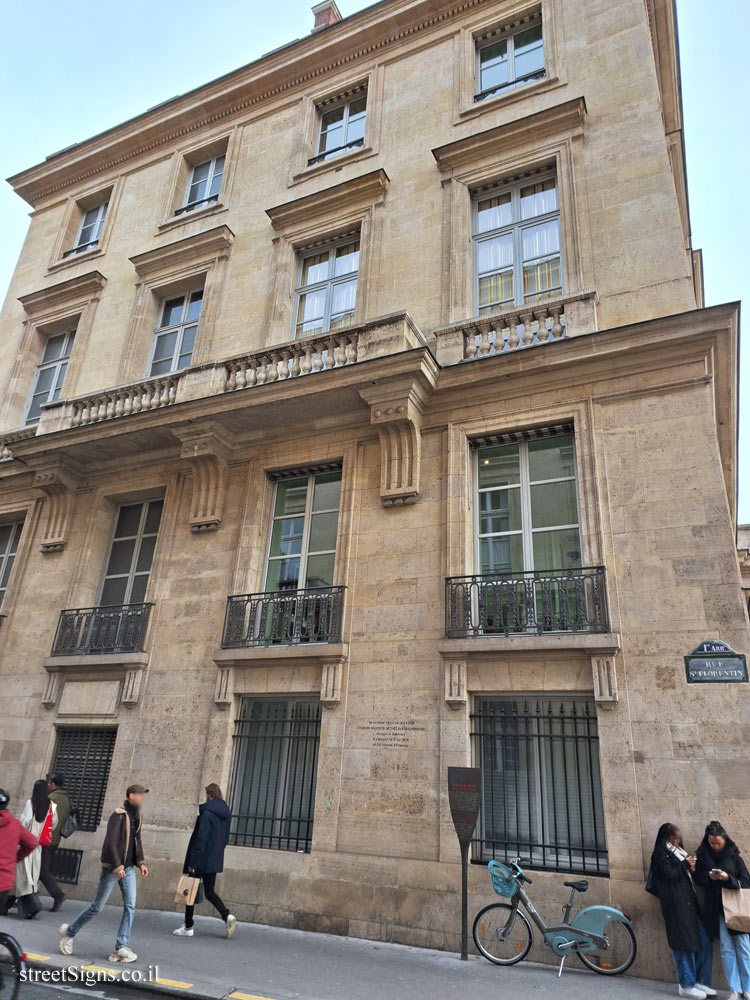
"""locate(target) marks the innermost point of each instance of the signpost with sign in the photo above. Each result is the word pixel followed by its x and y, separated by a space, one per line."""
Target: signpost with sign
pixel 714 662
pixel 464 798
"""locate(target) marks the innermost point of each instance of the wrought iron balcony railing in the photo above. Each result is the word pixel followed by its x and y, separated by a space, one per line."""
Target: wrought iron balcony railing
pixel 115 629
pixel 566 600
pixel 284 617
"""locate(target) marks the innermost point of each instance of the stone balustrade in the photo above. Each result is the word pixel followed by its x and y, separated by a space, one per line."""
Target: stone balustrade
pixel 121 402
pixel 300 357
pixel 516 329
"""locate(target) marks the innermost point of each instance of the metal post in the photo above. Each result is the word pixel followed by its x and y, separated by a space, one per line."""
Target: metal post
pixel 464 800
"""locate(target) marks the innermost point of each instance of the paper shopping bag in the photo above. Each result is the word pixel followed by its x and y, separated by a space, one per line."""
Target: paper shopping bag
pixel 187 890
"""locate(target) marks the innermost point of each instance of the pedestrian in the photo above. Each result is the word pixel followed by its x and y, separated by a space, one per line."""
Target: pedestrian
pixel 205 856
pixel 16 844
pixel 670 878
pixel 61 799
pixel 720 866
pixel 39 816
pixel 122 853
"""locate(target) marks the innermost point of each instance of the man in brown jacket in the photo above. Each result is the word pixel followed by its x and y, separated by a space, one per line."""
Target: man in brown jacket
pixel 122 853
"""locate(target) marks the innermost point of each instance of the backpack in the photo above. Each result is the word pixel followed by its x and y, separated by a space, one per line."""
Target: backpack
pixel 70 825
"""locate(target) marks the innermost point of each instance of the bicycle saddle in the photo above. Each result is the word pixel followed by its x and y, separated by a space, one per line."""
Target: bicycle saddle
pixel 581 886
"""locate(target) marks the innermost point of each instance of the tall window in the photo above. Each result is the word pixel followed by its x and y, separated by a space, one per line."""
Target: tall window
pixel 83 756
pixel 305 521
pixel 517 245
pixel 204 185
pixel 510 60
pixel 131 553
pixel 10 534
pixel 90 229
pixel 50 373
pixel 272 795
pixel 174 337
pixel 327 289
pixel 527 508
pixel 341 127
pixel 541 783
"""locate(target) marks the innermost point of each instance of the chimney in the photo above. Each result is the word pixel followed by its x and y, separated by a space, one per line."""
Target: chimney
pixel 326 13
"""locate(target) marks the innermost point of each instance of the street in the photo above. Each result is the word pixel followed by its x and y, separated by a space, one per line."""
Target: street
pixel 273 963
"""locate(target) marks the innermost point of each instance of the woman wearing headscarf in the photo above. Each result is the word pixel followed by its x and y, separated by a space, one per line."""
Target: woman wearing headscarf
pixel 670 878
pixel 720 866
pixel 39 816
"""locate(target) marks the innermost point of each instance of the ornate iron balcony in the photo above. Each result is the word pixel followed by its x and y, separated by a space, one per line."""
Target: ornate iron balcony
pixel 116 629
pixel 284 617
pixel 566 600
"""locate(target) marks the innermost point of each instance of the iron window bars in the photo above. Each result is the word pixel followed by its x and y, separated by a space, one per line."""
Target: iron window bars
pixel 272 793
pixel 83 755
pixel 535 601
pixel 115 629
pixel 284 617
pixel 541 783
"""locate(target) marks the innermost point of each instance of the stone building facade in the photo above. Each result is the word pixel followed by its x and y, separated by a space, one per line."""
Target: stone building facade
pixel 360 416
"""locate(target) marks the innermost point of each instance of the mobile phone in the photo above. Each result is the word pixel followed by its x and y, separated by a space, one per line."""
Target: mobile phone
pixel 716 871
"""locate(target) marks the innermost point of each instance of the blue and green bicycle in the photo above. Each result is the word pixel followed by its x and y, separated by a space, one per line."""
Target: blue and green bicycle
pixel 601 936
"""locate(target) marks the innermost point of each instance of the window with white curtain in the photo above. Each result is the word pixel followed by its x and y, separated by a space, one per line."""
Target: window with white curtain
pixel 341 125
pixel 541 782
pixel 90 229
pixel 326 293
pixel 204 185
pixel 517 257
pixel 510 57
pixel 50 373
pixel 174 337
pixel 10 534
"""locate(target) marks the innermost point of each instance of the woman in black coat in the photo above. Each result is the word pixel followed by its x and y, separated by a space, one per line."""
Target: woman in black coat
pixel 205 856
pixel 670 878
pixel 720 866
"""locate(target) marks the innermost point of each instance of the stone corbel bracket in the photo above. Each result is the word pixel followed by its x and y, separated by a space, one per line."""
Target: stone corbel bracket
pixel 396 414
pixel 331 679
pixel 455 682
pixel 208 449
pixel 604 671
pixel 57 482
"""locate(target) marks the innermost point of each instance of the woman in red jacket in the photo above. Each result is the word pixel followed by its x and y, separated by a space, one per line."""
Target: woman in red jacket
pixel 16 843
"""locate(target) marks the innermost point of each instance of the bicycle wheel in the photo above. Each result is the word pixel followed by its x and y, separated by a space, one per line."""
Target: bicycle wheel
pixel 618 957
pixel 10 970
pixel 501 934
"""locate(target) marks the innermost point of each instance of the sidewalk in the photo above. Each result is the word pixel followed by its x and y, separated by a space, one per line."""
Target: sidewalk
pixel 268 962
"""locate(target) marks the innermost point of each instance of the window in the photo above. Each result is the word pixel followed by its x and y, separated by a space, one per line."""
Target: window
pixel 527 508
pixel 131 553
pixel 327 290
pixel 174 337
pixel 510 60
pixel 50 373
pixel 83 757
pixel 541 783
pixel 272 794
pixel 9 535
pixel 304 526
pixel 204 185
pixel 90 229
pixel 342 127
pixel 517 245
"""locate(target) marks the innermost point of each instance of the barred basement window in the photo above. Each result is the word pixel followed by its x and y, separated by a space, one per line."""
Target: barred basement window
pixel 541 783
pixel 83 757
pixel 272 794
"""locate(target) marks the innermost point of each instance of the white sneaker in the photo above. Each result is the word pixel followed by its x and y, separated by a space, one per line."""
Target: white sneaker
pixel 123 955
pixel 183 931
pixel 66 941
pixel 735 996
pixel 708 990
pixel 231 924
pixel 693 992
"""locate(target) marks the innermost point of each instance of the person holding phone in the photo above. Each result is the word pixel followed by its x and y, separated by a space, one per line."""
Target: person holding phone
pixel 670 878
pixel 720 866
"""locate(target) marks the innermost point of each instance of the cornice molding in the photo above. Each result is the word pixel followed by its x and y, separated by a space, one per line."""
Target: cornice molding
pixel 74 291
pixel 561 119
pixel 357 194
pixel 199 248
pixel 323 53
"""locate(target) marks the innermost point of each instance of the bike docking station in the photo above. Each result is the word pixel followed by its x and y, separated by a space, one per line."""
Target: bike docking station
pixel 464 799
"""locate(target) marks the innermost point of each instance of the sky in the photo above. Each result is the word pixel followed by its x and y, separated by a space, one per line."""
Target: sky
pixel 95 63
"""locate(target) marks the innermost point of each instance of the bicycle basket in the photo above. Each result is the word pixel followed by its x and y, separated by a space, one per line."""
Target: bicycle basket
pixel 502 879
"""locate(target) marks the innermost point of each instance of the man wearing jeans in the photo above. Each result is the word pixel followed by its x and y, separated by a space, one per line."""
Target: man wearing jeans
pixel 121 854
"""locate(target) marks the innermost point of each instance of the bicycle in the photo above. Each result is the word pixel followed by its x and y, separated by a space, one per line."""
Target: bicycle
pixel 601 936
pixel 12 964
